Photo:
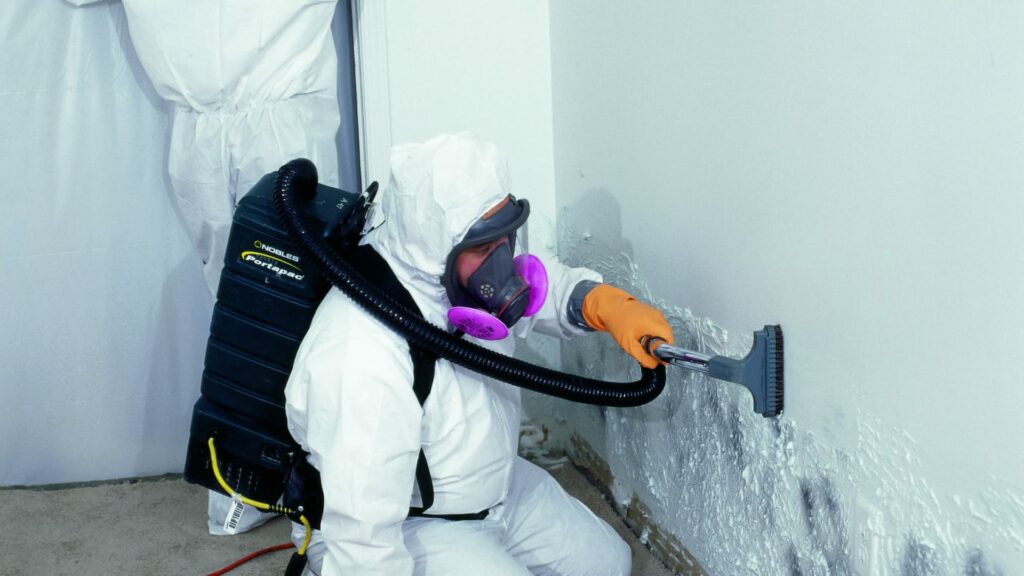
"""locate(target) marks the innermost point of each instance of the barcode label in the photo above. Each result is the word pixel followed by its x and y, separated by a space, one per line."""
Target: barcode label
pixel 234 517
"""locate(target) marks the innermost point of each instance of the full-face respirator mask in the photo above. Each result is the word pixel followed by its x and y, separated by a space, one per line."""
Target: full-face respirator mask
pixel 503 288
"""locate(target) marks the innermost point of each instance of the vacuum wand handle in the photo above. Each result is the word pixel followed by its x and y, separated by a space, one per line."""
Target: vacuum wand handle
pixel 760 371
pixel 683 358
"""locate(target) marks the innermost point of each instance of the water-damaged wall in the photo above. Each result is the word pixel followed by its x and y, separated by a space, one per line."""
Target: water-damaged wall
pixel 851 171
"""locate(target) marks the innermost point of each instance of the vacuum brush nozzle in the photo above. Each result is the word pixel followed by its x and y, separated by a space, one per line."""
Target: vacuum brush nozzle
pixel 760 371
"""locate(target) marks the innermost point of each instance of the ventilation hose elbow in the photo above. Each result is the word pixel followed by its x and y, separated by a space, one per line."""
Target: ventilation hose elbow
pixel 297 180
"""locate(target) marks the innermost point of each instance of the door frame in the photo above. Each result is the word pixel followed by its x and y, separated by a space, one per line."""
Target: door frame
pixel 373 97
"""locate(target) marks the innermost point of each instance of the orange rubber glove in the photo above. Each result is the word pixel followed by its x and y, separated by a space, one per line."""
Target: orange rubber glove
pixel 613 310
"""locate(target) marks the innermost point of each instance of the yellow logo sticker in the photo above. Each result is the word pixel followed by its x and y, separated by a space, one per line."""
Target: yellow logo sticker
pixel 249 254
pixel 271 259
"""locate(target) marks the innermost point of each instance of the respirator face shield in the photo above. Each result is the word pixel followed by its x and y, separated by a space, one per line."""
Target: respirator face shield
pixel 491 278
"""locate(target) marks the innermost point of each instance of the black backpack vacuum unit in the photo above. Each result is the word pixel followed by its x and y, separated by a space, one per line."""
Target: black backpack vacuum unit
pixel 269 291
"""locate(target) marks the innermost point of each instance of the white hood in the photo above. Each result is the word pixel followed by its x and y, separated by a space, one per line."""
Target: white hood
pixel 438 189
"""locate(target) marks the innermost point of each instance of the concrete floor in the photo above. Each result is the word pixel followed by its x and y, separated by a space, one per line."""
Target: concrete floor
pixel 158 526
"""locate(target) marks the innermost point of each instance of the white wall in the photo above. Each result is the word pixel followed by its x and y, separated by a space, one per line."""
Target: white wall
pixel 853 172
pixel 477 66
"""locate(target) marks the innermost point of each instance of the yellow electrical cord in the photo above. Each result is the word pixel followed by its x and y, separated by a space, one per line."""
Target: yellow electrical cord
pixel 261 505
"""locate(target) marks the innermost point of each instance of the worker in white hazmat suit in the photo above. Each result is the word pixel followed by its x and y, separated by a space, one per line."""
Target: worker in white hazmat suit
pixel 351 405
pixel 253 85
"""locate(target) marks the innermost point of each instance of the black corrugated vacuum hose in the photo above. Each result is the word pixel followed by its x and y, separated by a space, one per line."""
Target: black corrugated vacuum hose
pixel 298 178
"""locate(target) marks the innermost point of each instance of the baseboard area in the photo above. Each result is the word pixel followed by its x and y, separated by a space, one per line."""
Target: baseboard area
pixel 663 545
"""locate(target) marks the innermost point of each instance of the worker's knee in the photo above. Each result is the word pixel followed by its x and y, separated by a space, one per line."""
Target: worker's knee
pixel 624 558
pixel 605 554
pixel 616 558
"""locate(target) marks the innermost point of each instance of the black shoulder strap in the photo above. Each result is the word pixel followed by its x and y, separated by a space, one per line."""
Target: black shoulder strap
pixel 375 269
pixel 303 485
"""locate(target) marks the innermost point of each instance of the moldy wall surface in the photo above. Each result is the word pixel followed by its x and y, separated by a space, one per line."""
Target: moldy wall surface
pixel 852 172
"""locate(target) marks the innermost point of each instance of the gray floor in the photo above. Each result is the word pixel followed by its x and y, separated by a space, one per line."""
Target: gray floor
pixel 159 527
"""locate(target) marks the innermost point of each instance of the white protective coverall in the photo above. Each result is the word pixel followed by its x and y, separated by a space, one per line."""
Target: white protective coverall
pixel 253 84
pixel 350 404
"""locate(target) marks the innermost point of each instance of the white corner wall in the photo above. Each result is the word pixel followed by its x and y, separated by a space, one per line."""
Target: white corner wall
pixel 851 171
pixel 477 66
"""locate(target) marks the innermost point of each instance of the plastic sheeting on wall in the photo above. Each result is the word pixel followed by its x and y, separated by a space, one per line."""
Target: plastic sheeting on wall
pixel 103 311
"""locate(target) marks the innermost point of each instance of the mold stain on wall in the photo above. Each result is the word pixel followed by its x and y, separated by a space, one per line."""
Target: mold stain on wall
pixel 754 496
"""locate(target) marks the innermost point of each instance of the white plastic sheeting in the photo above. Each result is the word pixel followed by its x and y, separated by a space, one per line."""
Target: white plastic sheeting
pixel 106 317
pixel 103 306
pixel 51 48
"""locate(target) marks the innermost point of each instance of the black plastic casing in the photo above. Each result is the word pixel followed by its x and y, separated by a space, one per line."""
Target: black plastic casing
pixel 268 293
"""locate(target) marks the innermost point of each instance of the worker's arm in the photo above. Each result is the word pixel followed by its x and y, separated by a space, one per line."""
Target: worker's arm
pixel 579 302
pixel 555 318
pixel 352 407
